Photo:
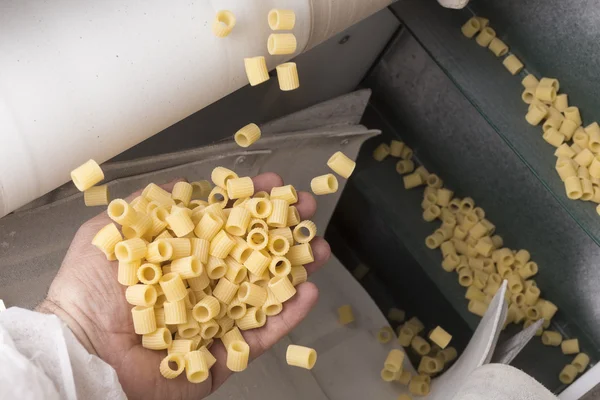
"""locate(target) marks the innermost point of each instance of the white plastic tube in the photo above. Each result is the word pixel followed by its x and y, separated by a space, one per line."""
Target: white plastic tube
pixel 83 79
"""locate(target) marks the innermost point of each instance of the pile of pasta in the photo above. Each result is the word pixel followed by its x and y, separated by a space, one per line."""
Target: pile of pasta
pixel 577 147
pixel 470 247
pixel 201 268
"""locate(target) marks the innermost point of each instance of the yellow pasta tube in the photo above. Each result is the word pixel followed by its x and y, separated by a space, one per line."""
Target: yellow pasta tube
pixel 341 164
pixel 208 227
pixel 298 275
pixel 218 196
pixel 238 188
pixel 140 228
pixel 565 168
pixel 389 376
pixel 569 128
pixel 236 272
pixel 300 254
pixel 420 345
pixel 405 167
pixel 282 288
pixel 196 367
pixel 221 245
pixel 238 221
pixel 159 251
pixel 513 64
pixel 252 294
pixel 220 176
pixel 593 132
pixel 280 266
pixel 175 312
pixel 238 353
pixel 281 43
pixel 127 272
pixel 530 81
pixel 200 248
pixel 160 339
pixel 257 73
pixel 528 270
pixel 231 336
pixel 287 193
pixel 385 334
pixel 418 387
pixel 485 37
pixel 173 287
pixel 107 238
pixel 279 215
pixel 140 204
pixel 477 307
pixel 573 187
pixel 553 137
pixel 182 192
pixel 287 75
pixel 285 232
pixel 412 180
pixel 155 193
pixel 568 374
pixel 324 184
pixel 293 218
pixel 96 196
pixel 236 309
pixel 498 47
pixel 187 267
pixel 254 318
pixel 381 152
pixel 223 23
pixel 259 208
pixel 87 175
pixel 216 268
pixel 572 113
pixel 241 251
pixel 257 239
pixel 258 262
pixel 200 189
pixel 180 223
pixel 144 320
pixel 584 158
pixel 581 362
pixel 406 153
pixel 281 20
pixel 300 356
pixel 188 329
pixel 471 27
pixel 532 295
pixel 272 306
pixel 278 245
pixel 536 114
pixel 550 338
pixel 121 212
pixel 130 250
pixel 141 295
pixel 165 368
pixel 405 335
pixel 206 309
pixel 440 337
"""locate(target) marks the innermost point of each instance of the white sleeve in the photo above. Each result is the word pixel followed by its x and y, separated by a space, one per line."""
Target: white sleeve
pixel 40 358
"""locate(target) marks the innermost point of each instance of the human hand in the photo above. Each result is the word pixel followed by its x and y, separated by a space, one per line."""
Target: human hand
pixel 88 297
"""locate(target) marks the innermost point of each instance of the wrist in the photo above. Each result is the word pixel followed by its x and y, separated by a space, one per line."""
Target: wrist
pixel 48 306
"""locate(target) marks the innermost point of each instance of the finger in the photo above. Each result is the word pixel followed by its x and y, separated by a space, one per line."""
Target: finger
pixel 267 181
pixel 306 205
pixel 260 340
pixel 321 254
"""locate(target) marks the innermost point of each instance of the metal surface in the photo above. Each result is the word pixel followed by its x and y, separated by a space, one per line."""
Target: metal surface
pixel 453 139
pixel 29 260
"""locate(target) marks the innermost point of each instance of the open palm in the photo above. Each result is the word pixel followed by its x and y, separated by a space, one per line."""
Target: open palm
pixel 87 296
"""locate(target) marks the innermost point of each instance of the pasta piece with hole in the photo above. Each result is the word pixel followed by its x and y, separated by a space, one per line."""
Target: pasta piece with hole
pixel 381 152
pixel 281 20
pixel 342 164
pixel 165 368
pixel 257 73
pixel 300 356
pixel 87 175
pixel 287 75
pixel 223 23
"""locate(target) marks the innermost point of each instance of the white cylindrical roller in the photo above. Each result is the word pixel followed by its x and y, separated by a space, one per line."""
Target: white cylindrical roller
pixel 78 77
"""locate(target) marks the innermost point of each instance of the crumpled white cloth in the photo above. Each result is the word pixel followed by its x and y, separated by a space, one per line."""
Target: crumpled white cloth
pixel 40 358
pixel 454 3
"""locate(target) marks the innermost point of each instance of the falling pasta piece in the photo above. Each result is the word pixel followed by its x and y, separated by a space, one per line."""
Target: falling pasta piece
pixel 248 135
pixel 287 75
pixel 300 356
pixel 87 175
pixel 223 24
pixel 281 20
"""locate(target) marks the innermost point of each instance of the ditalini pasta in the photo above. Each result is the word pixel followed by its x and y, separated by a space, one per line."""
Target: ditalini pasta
pixel 251 133
pixel 471 27
pixel 513 64
pixel 87 175
pixel 485 37
pixel 96 196
pixel 440 337
pixel 287 75
pixel 281 43
pixel 341 164
pixel 257 73
pixel 568 374
pixel 238 353
pixel 190 271
pixel 281 20
pixel 300 356
pixel 498 47
pixel 324 184
pixel 381 152
pixel 223 24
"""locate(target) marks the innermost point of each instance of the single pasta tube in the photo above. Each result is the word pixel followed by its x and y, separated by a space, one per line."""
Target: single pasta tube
pixel 389 376
pixel 258 262
pixel 513 64
pixel 182 191
pixel 550 338
pixel 477 307
pixel 278 245
pixel 254 318
pixel 573 187
pixel 238 220
pixel 107 238
pixel 259 208
pixel 196 368
pixel 87 175
pixel 530 81
pixel 218 196
pixel 257 239
pixel 257 73
pixel 221 245
pixel 440 337
pixel 238 188
pixel 272 306
pixel 220 176
pixel 141 295
pixel 223 23
pixel 280 266
pixel 385 334
pixel 173 287
pixel 345 315
pixel 281 20
pixel 96 196
pixel 238 353
pixel 175 312
pixel 342 164
pixel 300 254
pixel 324 184
pixel 209 329
pixel 130 250
pixel 236 272
pixel 282 288
pixel 412 180
pixel 584 158
pixel 404 378
pixel 420 345
pixel 287 193
pixel 165 369
pixel 300 356
pixel 471 27
pixel 418 387
pixel 155 193
pixel 236 309
pixel 536 114
pixel 144 320
pixel 394 360
pixel 498 47
pixel 485 37
pixel 281 43
pixel 241 251
pixel 287 75
pixel 553 137
pixel 581 362
pixel 127 272
pixel 298 275
pixel 279 215
pixel 405 166
pixel 293 216
pixel 381 152
pixel 232 335
pixel 252 294
pixel 216 268
pixel 568 374
pixel 305 231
